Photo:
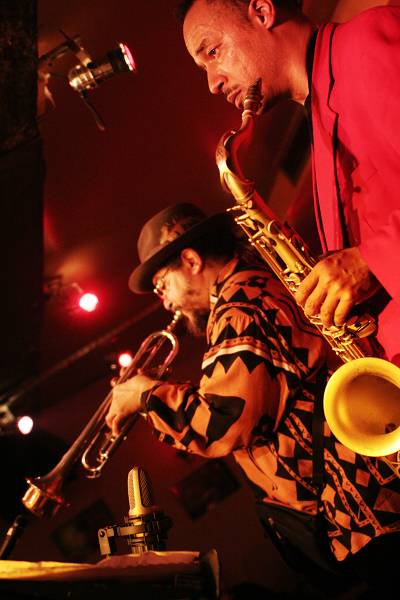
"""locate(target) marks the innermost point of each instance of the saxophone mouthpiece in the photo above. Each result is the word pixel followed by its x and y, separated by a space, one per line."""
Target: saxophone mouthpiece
pixel 252 102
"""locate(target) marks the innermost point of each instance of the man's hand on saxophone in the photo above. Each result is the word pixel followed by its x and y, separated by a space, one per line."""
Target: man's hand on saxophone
pixel 337 282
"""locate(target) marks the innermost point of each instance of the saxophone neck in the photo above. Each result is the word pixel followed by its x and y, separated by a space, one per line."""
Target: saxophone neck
pixel 251 105
pixel 232 178
pixel 230 142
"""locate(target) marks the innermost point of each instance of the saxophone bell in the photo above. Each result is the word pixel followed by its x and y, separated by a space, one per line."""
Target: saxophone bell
pixel 362 408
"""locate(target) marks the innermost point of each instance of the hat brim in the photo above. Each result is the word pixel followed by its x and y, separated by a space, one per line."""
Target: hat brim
pixel 141 278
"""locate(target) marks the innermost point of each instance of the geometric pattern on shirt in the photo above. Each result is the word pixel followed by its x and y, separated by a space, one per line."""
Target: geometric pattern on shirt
pixel 224 412
pixel 249 295
pixel 361 496
pixel 178 419
pixel 261 341
pixel 352 509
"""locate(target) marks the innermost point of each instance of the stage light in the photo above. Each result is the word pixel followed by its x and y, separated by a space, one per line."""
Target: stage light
pixel 125 359
pixel 25 425
pixel 88 302
pixel 70 294
pixel 89 75
pixel 10 424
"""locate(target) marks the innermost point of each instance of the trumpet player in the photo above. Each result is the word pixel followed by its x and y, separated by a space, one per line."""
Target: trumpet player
pixel 258 397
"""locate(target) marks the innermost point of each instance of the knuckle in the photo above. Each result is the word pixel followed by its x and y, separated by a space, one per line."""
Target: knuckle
pixel 326 312
pixel 348 296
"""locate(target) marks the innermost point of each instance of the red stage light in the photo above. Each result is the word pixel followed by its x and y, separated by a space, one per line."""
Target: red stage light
pixel 88 302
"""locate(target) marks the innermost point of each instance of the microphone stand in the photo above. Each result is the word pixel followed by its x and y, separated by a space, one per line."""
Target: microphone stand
pixel 13 534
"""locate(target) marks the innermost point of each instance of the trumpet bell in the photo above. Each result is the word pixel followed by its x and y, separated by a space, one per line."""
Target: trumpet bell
pixel 41 501
pixel 362 406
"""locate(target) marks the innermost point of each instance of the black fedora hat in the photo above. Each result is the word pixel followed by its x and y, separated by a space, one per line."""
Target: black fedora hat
pixel 163 236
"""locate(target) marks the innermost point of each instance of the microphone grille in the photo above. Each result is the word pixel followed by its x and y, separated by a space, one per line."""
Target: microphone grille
pixel 140 491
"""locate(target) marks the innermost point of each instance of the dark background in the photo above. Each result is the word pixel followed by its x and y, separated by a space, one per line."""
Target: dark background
pixel 78 224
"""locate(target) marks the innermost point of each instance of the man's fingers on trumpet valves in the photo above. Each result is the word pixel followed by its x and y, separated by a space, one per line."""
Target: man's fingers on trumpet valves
pixel 126 400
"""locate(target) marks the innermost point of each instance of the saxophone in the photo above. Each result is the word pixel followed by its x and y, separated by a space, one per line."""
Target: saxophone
pixel 350 403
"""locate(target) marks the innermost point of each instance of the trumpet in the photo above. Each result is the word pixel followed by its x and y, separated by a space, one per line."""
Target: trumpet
pixel 96 444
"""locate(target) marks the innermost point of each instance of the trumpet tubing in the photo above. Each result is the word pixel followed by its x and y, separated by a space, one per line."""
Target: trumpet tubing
pixel 362 399
pixel 95 444
pixel 102 443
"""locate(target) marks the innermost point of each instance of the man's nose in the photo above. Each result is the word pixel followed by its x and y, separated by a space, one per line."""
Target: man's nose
pixel 216 82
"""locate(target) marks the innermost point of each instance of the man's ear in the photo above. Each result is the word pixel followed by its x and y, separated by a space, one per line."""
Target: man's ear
pixel 262 12
pixel 192 261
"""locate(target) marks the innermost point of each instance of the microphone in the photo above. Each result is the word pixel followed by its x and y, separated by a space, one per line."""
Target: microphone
pixel 89 74
pixel 146 525
pixel 148 522
pixel 140 494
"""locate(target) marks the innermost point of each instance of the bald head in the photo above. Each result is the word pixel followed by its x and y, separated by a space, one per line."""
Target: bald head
pixel 241 5
pixel 239 42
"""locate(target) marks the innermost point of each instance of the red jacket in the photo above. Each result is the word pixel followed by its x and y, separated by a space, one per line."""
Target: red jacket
pixel 355 102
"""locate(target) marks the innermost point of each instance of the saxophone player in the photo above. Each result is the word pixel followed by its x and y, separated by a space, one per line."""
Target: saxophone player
pixel 347 77
pixel 258 398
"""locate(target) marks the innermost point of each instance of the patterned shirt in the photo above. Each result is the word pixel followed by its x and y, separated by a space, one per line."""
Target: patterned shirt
pixel 255 400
